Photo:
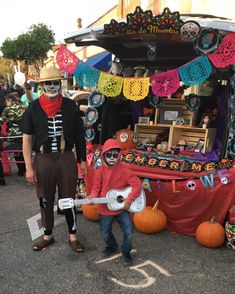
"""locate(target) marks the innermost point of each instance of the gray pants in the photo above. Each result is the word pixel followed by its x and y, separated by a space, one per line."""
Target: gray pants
pixel 55 170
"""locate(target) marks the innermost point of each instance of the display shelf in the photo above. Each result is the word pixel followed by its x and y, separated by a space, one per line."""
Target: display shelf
pixel 174 103
pixel 150 132
pixel 192 135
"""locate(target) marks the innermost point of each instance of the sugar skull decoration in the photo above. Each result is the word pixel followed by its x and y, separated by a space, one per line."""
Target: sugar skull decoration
pixel 180 121
pixel 127 139
pixel 189 31
pixel 151 53
pixel 89 133
pixel 96 99
pixel 91 116
pixel 207 41
pixel 192 185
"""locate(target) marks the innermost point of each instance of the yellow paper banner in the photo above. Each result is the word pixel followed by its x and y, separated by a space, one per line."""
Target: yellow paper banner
pixel 136 88
pixel 109 85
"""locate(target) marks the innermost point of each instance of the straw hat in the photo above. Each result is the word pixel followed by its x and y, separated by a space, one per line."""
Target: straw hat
pixel 50 73
pixel 80 95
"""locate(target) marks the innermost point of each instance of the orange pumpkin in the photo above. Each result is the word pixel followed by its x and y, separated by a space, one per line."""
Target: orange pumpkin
pixel 150 220
pixel 210 234
pixel 90 212
pixel 127 139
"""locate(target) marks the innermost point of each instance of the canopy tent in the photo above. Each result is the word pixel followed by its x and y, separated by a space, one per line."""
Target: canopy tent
pixel 133 49
pixel 101 61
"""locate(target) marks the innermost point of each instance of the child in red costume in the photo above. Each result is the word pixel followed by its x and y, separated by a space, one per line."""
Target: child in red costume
pixel 114 174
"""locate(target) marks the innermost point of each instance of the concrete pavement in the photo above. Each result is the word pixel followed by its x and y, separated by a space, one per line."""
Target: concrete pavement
pixel 163 263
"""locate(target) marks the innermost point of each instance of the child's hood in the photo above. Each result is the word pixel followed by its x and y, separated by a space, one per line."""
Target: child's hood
pixel 108 145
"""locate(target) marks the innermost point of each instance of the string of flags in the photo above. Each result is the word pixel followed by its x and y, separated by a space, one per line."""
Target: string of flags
pixel 162 84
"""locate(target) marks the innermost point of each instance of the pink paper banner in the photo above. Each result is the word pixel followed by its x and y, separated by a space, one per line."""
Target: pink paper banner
pixel 66 60
pixel 225 54
pixel 165 84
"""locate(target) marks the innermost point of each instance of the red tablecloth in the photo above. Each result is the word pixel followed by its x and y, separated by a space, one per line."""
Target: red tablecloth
pixel 185 209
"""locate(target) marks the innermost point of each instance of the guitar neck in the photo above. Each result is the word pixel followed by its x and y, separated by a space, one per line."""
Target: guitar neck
pixel 92 201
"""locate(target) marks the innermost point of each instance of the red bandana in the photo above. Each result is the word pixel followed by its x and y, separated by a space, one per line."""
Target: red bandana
pixel 50 107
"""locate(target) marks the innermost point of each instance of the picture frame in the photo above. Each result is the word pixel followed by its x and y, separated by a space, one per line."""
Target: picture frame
pixel 193 102
pixel 143 120
pixel 199 146
pixel 168 115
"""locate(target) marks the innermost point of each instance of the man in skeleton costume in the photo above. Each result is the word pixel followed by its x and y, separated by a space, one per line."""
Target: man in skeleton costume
pixel 55 127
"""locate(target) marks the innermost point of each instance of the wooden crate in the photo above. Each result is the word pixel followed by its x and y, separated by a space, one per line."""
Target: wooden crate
pixel 192 135
pixel 174 103
pixel 149 132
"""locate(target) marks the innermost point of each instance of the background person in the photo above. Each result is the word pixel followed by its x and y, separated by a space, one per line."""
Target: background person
pixel 2 106
pixel 12 115
pixel 3 93
pixel 56 127
pixel 29 95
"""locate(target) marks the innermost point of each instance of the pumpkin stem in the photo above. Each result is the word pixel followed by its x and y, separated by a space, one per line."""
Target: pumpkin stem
pixel 155 205
pixel 212 221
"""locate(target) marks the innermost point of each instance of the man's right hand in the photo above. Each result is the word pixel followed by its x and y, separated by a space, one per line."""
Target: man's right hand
pixel 31 176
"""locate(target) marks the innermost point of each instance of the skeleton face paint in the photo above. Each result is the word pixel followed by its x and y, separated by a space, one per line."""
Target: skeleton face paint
pixel 51 88
pixel 111 156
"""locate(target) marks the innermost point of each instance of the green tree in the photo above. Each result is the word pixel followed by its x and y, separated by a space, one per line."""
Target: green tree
pixel 6 68
pixel 30 47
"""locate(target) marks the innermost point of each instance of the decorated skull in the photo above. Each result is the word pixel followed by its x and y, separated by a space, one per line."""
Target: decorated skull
pixel 127 139
pixel 230 136
pixel 189 31
pixel 192 185
pixel 151 54
pixel 180 121
pixel 135 137
pixel 224 181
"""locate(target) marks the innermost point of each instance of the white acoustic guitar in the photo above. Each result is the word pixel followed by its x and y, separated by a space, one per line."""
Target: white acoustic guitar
pixel 114 200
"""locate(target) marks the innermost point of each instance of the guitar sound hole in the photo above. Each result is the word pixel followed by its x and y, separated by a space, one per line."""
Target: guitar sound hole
pixel 120 199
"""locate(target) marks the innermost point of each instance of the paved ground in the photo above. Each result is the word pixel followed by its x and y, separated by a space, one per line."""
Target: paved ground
pixel 163 263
